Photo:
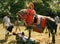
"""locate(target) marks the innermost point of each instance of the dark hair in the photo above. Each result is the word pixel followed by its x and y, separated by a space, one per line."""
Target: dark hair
pixel 8 13
pixel 23 33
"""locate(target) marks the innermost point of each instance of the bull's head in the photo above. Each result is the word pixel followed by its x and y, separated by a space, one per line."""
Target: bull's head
pixel 20 14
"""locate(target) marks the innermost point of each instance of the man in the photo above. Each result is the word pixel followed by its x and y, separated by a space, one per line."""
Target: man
pixel 57 19
pixel 6 24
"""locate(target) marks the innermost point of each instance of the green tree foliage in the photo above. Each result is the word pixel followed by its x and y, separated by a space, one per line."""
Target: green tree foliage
pixel 47 7
pixel 15 7
pixel 12 6
pixel 43 7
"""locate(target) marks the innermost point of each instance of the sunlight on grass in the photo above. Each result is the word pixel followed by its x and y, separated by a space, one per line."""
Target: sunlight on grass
pixel 42 38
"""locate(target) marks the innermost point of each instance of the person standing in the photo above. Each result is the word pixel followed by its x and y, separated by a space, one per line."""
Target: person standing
pixel 57 21
pixel 6 24
pixel 30 14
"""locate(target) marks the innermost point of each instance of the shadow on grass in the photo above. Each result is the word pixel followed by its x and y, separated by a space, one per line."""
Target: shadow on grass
pixel 2 41
pixel 12 42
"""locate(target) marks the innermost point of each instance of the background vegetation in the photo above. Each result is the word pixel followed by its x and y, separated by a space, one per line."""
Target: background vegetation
pixel 42 7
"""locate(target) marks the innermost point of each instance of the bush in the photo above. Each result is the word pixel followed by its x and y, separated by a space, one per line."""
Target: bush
pixel 42 9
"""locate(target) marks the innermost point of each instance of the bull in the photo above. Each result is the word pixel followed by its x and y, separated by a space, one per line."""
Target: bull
pixel 49 23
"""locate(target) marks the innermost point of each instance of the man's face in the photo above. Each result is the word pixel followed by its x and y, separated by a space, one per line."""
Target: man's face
pixel 9 15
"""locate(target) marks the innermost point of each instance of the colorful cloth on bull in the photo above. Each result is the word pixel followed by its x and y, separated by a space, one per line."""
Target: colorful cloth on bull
pixel 39 22
pixel 30 15
pixel 29 20
pixel 31 12
pixel 24 16
pixel 42 23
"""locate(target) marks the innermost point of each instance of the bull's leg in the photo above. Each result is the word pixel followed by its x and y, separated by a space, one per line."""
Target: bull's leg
pixel 56 32
pixel 49 34
pixel 56 29
pixel 29 33
pixel 53 36
pixel 46 30
pixel 29 28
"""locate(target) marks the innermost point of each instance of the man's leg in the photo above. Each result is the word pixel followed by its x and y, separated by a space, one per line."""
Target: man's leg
pixel 6 35
pixel 15 31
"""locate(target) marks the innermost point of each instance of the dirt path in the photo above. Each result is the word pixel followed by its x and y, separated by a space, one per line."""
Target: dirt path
pixel 42 38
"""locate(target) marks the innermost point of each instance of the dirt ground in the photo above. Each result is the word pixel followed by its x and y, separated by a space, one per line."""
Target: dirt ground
pixel 42 38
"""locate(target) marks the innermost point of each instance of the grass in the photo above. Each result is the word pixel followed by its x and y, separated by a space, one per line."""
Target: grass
pixel 40 38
